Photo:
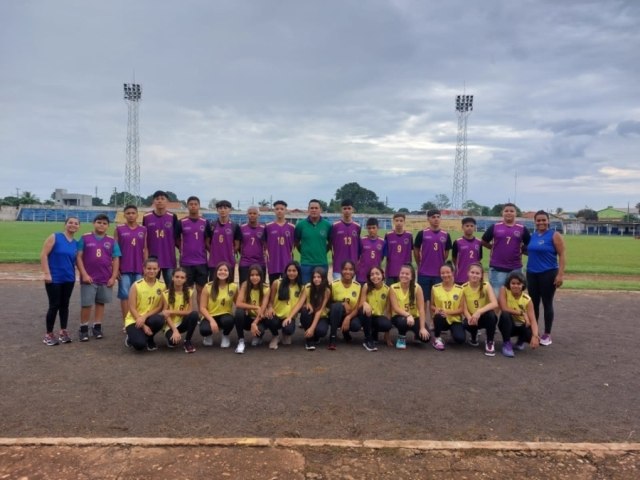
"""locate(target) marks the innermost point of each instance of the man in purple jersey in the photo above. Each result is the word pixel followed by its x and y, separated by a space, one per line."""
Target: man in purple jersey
pixel 252 244
pixel 344 239
pixel 371 251
pixel 225 239
pixel 507 241
pixel 161 235
pixel 98 263
pixel 131 237
pixel 466 250
pixel 279 236
pixel 398 245
pixel 193 233
pixel 431 249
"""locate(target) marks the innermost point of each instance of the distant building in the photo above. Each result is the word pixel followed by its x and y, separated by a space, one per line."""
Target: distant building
pixel 63 198
pixel 615 214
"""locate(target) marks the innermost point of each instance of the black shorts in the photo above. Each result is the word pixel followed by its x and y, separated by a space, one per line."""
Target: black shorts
pixel 198 274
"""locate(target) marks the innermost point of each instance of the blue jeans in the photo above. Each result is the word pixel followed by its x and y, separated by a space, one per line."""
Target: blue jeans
pixel 426 282
pixel 497 279
pixel 307 271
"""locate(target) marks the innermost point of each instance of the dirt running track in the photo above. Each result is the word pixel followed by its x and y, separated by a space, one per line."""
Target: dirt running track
pixel 583 388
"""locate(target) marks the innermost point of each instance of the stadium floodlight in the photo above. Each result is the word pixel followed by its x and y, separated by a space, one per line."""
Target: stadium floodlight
pixel 464 107
pixel 132 96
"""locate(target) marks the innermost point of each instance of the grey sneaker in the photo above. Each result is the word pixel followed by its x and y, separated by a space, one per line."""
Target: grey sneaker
pixel 50 340
pixel 64 337
pixel 96 330
pixel 83 335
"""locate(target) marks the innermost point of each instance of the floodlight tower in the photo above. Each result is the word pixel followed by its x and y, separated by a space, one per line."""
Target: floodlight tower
pixel 132 95
pixel 464 107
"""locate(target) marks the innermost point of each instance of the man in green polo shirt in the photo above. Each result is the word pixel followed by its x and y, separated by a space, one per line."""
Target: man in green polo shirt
pixel 312 241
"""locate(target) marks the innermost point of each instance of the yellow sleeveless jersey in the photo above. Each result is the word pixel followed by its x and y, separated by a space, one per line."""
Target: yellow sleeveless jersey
pixel 254 297
pixel 350 294
pixel 224 302
pixel 307 292
pixel 179 304
pixel 378 298
pixel 448 300
pixel 282 308
pixel 519 304
pixel 404 299
pixel 148 297
pixel 472 297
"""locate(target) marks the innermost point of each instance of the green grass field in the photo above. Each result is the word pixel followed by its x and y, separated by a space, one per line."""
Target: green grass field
pixel 586 255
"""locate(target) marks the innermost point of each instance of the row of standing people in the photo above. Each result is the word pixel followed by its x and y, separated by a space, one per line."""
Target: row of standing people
pixel 102 259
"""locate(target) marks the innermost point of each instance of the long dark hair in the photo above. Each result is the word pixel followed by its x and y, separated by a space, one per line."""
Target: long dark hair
pixel 260 286
pixel 215 284
pixel 172 290
pixel 412 283
pixel 317 293
pixel 285 283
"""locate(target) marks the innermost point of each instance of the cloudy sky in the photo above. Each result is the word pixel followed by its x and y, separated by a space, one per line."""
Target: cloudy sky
pixel 252 100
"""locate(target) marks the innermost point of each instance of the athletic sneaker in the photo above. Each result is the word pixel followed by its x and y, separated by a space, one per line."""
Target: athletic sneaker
pixel 83 335
pixel 332 343
pixel 286 339
pixel 438 343
pixel 545 340
pixel 309 345
pixel 370 346
pixel 473 342
pixel 273 344
pixel 188 347
pixel 347 337
pixel 225 342
pixel 96 330
pixel 507 349
pixel 519 346
pixel 490 349
pixel 256 341
pixel 151 344
pixel 126 341
pixel 170 343
pixel 50 340
pixel 208 341
pixel 240 347
pixel 64 337
pixel 401 343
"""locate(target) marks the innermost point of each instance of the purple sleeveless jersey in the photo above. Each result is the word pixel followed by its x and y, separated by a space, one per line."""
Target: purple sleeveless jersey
pixel 279 245
pixel 398 248
pixel 252 245
pixel 371 254
pixel 345 243
pixel 222 244
pixel 97 256
pixel 131 242
pixel 193 247
pixel 433 251
pixel 161 241
pixel 466 252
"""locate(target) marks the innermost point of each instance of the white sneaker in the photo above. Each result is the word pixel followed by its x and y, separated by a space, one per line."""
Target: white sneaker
pixel 286 339
pixel 208 341
pixel 225 342
pixel 240 347
pixel 273 344
pixel 255 341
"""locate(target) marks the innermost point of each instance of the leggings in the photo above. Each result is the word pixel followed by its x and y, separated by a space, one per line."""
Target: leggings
pixel 59 295
pixel 322 327
pixel 275 323
pixel 457 329
pixel 509 329
pixel 336 316
pixel 379 323
pixel 225 323
pixel 400 322
pixel 243 322
pixel 188 325
pixel 488 321
pixel 137 338
pixel 541 287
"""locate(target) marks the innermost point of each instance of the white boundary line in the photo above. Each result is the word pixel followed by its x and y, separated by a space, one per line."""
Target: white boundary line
pixel 318 442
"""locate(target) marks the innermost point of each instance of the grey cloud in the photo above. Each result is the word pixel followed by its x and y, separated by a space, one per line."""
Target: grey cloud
pixel 628 128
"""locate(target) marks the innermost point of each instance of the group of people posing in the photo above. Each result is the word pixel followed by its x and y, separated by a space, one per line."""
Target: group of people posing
pixel 274 290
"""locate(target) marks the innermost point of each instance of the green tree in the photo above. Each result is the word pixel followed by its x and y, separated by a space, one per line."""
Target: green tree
pixel 587 214
pixel 264 203
pixel 559 210
pixel 364 200
pixel 97 202
pixel 473 208
pixel 442 201
pixel 121 199
pixel 28 198
pixel 403 210
pixel 496 211
pixel 428 206
pixel 171 197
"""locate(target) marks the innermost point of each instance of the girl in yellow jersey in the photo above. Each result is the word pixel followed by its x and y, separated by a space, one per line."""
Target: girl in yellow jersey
pixel 345 295
pixel 143 319
pixel 446 308
pixel 314 315
pixel 478 305
pixel 216 304
pixel 407 307
pixel 251 306
pixel 284 304
pixel 178 311
pixel 373 309
pixel 517 318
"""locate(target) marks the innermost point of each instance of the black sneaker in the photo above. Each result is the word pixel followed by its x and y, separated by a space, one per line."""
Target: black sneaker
pixel 96 330
pixel 332 343
pixel 347 337
pixel 151 344
pixel 83 334
pixel 370 346
pixel 309 345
